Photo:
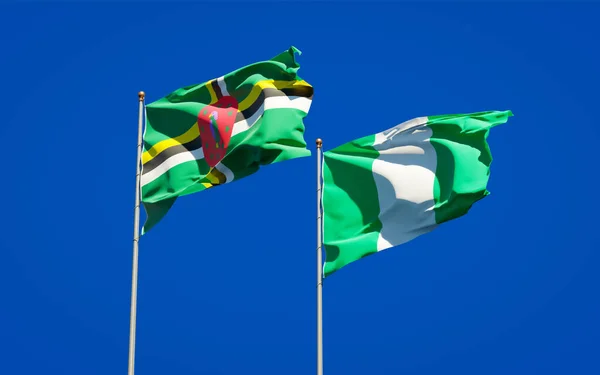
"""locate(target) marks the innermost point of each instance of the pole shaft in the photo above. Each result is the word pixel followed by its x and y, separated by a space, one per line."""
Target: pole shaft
pixel 136 238
pixel 319 264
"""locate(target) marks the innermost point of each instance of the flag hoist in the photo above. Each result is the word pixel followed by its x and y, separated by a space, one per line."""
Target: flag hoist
pixel 319 261
pixel 136 237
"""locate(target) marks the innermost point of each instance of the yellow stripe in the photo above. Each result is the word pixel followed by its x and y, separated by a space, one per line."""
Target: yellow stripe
pixel 186 137
pixel 271 84
pixel 211 91
pixel 194 132
pixel 212 177
pixel 213 180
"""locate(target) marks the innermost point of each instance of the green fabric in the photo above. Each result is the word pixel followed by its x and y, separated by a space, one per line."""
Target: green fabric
pixel 367 206
pixel 181 167
pixel 282 67
pixel 267 144
pixel 262 144
pixel 464 160
pixel 165 120
pixel 350 204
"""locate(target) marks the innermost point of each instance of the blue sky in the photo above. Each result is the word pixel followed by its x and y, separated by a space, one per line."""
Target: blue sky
pixel 511 288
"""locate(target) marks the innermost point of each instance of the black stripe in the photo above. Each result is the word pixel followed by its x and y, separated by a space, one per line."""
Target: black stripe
pixel 303 91
pixel 217 89
pixel 158 159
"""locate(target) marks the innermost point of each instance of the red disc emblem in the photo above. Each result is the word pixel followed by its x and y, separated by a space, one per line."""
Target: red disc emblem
pixel 215 123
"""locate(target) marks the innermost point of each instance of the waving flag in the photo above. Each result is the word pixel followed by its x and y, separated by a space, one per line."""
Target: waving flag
pixel 388 188
pixel 223 130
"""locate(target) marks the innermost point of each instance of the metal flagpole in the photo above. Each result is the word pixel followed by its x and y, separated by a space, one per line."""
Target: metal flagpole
pixel 136 238
pixel 319 264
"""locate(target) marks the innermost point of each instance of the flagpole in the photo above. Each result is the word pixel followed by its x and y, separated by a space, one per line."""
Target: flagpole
pixel 136 238
pixel 319 263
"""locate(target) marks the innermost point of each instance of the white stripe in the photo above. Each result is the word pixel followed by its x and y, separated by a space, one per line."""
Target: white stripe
pixel 226 171
pixel 273 102
pixel 222 86
pixel 404 174
pixel 171 162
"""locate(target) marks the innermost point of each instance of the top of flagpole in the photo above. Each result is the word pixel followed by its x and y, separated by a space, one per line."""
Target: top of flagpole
pixel 319 142
pixel 141 95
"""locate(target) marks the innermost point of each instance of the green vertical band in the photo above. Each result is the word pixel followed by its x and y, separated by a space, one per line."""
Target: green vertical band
pixel 350 215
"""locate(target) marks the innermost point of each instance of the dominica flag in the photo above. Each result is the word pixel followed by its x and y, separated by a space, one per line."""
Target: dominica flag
pixel 220 131
pixel 388 188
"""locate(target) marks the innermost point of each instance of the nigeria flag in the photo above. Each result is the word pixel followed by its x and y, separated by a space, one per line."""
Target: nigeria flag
pixel 222 130
pixel 386 189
